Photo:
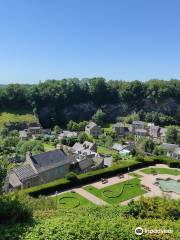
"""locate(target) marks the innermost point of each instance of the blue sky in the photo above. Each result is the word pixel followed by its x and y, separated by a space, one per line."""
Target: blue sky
pixel 116 39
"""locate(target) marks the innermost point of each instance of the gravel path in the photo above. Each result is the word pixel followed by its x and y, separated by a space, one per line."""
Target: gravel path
pixel 90 197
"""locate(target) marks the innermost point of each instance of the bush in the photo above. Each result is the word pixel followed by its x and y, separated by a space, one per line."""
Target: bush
pixel 13 209
pixel 71 176
pixel 174 164
pixel 154 208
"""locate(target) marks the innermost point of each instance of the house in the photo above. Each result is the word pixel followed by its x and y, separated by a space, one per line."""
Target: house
pixel 162 137
pixel 108 161
pixel 84 154
pixel 176 153
pixel 140 133
pixel 98 162
pixel 35 131
pixel 122 149
pixel 118 147
pixel 85 147
pixel 154 132
pixel 85 161
pixel 46 131
pixel 93 129
pixel 38 169
pixel 24 135
pixel 137 125
pixel 67 134
pixel 120 129
pixel 169 148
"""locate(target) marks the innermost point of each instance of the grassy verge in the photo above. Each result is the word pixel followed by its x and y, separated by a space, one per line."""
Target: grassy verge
pixel 19 116
pixel 162 171
pixel 119 192
pixel 104 150
pixel 48 147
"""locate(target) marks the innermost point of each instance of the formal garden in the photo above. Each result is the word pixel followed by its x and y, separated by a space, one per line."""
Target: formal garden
pixel 116 193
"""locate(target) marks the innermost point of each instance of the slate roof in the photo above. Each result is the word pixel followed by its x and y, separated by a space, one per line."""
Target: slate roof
pixel 168 146
pixel 177 151
pixel 138 122
pixel 14 180
pixel 67 134
pixel 88 145
pixel 119 124
pixel 91 125
pixel 34 128
pixel 155 128
pixel 140 131
pixel 118 146
pixel 77 147
pixel 23 134
pixel 163 131
pixel 24 172
pixel 48 160
pixel 108 161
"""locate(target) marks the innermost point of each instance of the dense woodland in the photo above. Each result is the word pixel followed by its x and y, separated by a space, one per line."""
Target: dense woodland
pixel 58 101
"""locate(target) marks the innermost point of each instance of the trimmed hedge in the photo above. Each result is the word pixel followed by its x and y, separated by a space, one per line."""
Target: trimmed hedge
pixel 89 177
pixel 173 163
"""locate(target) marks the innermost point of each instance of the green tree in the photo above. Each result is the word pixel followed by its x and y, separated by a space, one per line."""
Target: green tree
pixel 159 151
pixel 146 145
pixel 57 129
pixel 171 134
pixel 99 117
pixel 82 137
pixel 3 172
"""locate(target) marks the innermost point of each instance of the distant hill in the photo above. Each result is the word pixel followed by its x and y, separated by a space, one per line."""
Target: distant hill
pixel 2 85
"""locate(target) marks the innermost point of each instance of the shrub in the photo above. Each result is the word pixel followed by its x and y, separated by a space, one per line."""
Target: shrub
pixel 71 176
pixel 13 209
pixel 154 208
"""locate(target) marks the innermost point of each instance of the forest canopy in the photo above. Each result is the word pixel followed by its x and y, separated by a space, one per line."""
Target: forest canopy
pixel 51 99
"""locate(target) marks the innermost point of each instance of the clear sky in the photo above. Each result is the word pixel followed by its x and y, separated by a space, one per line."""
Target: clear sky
pixel 116 39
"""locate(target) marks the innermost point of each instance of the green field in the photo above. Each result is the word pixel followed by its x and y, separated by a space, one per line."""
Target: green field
pixel 72 200
pixel 162 171
pixel 48 147
pixel 19 116
pixel 119 192
pixel 104 150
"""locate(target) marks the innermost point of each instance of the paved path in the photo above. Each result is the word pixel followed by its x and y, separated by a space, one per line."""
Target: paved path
pixel 90 197
pixel 112 181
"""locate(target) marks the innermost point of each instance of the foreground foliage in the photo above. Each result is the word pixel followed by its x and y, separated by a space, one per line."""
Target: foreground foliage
pixel 100 223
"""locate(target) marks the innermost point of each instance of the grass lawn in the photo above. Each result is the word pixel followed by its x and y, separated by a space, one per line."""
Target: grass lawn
pixel 162 171
pixel 135 175
pixel 119 192
pixel 18 116
pixel 104 150
pixel 48 147
pixel 72 200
